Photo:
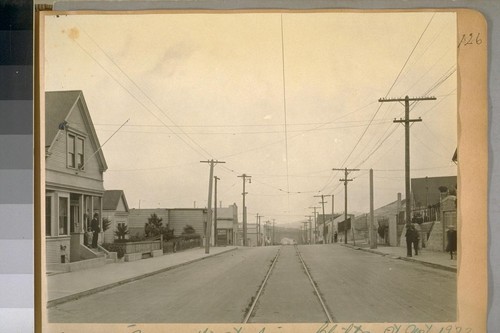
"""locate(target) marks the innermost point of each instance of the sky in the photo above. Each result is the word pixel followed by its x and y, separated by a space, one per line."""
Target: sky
pixel 282 97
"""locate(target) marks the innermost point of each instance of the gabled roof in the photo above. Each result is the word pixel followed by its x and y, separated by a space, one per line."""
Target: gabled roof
pixel 425 191
pixel 58 108
pixel 327 217
pixel 111 198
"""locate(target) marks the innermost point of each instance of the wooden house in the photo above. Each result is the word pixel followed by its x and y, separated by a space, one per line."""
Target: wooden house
pixel 115 209
pixel 74 167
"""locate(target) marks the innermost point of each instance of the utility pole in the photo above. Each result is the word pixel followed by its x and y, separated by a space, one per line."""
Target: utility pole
pixel 273 233
pixel 407 122
pixel 244 177
pixel 268 233
pixel 372 234
pixel 333 215
pixel 322 202
pixel 315 223
pixel 305 232
pixel 257 227
pixel 215 210
pixel 208 230
pixel 345 180
pixel 309 221
pixel 258 221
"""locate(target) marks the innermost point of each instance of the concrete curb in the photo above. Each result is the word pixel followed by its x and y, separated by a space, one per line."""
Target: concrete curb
pixel 425 263
pixel 78 295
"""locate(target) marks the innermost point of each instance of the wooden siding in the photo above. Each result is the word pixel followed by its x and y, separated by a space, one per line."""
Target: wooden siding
pixel 139 217
pixel 53 250
pixel 115 218
pixel 57 160
pixel 73 183
pixel 121 206
pixel 179 218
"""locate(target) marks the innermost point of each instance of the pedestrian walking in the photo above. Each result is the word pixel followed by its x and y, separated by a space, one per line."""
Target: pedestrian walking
pixel 452 240
pixel 410 234
pixel 94 225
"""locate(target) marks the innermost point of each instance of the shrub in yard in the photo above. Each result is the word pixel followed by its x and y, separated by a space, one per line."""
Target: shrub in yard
pixel 121 231
pixel 112 247
pixel 190 236
pixel 106 223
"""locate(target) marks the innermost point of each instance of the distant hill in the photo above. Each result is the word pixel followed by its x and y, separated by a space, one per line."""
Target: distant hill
pixel 284 232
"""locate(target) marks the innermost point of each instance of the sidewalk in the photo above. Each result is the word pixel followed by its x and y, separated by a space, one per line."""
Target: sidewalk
pixel 72 285
pixel 430 258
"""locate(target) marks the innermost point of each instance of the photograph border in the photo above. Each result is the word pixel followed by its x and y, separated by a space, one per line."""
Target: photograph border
pixel 472 175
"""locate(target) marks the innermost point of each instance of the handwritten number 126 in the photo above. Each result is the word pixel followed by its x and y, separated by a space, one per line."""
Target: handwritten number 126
pixel 470 40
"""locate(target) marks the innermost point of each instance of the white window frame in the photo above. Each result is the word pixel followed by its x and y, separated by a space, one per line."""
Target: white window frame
pixel 76 152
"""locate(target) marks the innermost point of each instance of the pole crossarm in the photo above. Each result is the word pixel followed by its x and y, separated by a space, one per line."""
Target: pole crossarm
pixel 322 202
pixel 424 98
pixel 346 180
pixel 401 120
pixel 407 122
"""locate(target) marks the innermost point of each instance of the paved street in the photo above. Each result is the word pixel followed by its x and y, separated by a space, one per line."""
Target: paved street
pixel 214 290
pixel 363 287
pixel 357 286
pixel 288 296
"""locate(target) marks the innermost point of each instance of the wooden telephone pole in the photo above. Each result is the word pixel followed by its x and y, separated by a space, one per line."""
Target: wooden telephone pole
pixel 345 180
pixel 215 210
pixel 208 230
pixel 322 202
pixel 245 177
pixel 315 223
pixel 407 122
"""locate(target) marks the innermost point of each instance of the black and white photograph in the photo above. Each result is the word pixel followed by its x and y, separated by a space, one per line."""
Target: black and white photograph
pixel 251 167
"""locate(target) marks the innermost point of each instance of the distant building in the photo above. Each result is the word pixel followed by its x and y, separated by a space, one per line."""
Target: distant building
pixel 138 218
pixel 329 229
pixel 115 209
pixel 340 225
pixel 254 235
pixel 74 167
pixel 227 225
pixel 174 218
pixel 427 191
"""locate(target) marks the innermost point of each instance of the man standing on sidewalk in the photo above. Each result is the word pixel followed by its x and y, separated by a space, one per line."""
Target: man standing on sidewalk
pixel 410 234
pixel 94 225
pixel 416 237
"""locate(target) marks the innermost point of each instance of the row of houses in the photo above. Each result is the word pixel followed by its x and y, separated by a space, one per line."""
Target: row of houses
pixel 75 191
pixel 434 209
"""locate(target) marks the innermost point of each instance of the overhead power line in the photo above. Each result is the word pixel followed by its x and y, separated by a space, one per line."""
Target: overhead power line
pixel 143 93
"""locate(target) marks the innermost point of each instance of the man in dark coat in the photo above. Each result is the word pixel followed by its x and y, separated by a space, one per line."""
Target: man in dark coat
pixel 410 234
pixel 94 226
pixel 452 240
pixel 415 239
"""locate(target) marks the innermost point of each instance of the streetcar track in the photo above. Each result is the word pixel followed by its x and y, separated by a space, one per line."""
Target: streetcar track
pixel 255 300
pixel 313 284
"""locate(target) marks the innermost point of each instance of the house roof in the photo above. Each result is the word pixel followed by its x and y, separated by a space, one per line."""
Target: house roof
pixel 327 217
pixel 425 191
pixel 58 107
pixel 111 198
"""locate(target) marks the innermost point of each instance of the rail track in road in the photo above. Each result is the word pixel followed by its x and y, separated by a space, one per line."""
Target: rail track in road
pixel 305 302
